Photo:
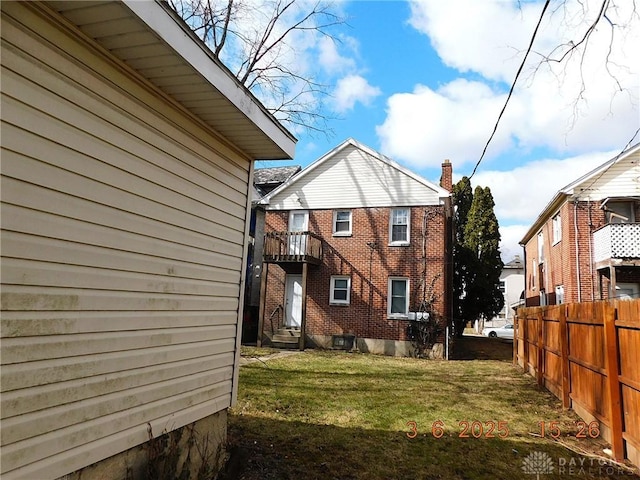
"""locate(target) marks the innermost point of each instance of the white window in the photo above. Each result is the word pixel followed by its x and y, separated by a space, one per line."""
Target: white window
pixel 398 299
pixel 540 247
pixel 342 223
pixel 559 294
pixel 340 290
pixel 399 226
pixel 557 228
pixel 534 267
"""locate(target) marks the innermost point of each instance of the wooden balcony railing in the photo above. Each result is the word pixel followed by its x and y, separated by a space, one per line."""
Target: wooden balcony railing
pixel 292 247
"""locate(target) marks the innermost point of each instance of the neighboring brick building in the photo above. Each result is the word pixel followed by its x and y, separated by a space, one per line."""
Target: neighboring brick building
pixel 585 245
pixel 353 244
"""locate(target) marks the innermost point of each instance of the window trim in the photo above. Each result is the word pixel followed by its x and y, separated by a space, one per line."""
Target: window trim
pixel 335 219
pixel 407 241
pixel 556 227
pixel 540 238
pixel 332 290
pixel 390 298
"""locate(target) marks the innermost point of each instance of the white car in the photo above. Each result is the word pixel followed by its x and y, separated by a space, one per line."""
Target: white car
pixel 505 331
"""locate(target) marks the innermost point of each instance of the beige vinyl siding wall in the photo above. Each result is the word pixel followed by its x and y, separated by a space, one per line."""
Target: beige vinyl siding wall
pixel 123 226
pixel 374 184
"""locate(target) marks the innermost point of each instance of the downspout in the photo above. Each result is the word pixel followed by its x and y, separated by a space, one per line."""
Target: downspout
pixel 591 249
pixel 575 228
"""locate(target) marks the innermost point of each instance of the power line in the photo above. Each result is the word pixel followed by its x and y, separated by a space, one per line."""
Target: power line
pixel 513 86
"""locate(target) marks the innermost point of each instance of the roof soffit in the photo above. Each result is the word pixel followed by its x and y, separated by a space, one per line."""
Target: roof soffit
pixel 152 39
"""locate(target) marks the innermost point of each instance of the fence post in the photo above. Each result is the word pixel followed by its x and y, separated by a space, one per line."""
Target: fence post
pixel 613 381
pixel 515 340
pixel 525 344
pixel 540 365
pixel 564 358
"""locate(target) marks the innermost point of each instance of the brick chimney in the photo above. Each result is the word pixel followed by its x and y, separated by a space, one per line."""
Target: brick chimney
pixel 446 181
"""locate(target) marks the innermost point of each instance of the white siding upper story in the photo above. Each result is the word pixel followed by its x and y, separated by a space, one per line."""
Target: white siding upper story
pixel 124 227
pixel 617 179
pixel 354 176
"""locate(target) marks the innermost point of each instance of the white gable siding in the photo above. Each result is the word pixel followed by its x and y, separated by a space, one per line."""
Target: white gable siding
pixel 620 180
pixel 353 179
pixel 123 227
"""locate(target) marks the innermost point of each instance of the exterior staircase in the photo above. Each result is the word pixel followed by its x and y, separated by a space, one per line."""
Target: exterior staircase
pixel 286 338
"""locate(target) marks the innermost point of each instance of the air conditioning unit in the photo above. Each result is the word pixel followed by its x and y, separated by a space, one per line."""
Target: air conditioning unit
pixel 418 316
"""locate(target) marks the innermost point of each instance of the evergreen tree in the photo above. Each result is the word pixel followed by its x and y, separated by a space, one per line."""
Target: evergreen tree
pixel 477 262
pixel 462 198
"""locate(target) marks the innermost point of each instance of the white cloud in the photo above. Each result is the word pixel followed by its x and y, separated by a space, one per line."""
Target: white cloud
pixel 521 194
pixel 482 36
pixel 352 89
pixel 426 126
pixel 510 235
pixel 330 58
pixel 569 108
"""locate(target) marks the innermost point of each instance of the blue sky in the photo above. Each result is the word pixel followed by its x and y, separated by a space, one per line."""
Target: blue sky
pixel 422 81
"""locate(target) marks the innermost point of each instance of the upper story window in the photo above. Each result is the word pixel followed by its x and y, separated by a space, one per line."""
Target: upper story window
pixel 342 223
pixel 398 298
pixel 503 286
pixel 399 226
pixel 557 228
pixel 540 247
pixel 340 290
pixel 619 212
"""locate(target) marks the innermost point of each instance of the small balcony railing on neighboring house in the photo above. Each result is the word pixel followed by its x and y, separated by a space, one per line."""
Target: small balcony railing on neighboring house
pixel 617 244
pixel 292 247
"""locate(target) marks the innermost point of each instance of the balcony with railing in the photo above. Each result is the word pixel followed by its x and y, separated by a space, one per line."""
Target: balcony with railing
pixel 617 244
pixel 292 247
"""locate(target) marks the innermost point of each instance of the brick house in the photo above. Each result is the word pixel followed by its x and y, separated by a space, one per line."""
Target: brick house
pixel 585 245
pixel 353 244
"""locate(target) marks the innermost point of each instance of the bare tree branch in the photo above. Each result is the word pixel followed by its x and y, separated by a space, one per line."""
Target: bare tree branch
pixel 258 41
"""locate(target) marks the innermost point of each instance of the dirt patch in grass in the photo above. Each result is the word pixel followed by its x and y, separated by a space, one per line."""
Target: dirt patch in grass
pixel 326 415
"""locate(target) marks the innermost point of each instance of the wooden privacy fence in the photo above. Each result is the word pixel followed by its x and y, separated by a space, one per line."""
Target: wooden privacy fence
pixel 588 355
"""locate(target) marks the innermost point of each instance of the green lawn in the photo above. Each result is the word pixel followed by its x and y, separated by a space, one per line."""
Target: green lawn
pixel 328 415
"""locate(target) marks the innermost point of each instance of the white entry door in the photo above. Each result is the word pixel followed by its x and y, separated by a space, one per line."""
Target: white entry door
pixel 293 301
pixel 298 222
